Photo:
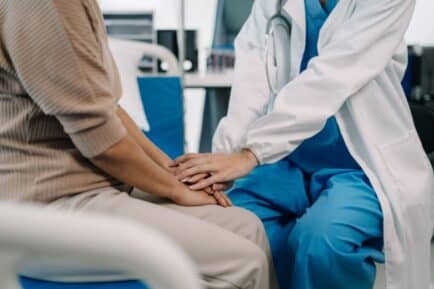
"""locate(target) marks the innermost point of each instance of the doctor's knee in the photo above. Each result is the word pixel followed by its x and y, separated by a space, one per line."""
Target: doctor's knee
pixel 321 241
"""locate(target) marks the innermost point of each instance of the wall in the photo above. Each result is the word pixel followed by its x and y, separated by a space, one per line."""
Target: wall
pixel 421 30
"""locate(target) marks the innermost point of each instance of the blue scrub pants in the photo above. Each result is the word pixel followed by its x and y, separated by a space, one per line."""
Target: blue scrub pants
pixel 325 230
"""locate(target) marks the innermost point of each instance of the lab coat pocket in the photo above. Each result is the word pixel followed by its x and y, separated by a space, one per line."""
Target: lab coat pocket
pixel 409 168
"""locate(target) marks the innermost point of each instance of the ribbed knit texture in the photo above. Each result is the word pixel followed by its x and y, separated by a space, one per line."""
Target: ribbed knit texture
pixel 59 89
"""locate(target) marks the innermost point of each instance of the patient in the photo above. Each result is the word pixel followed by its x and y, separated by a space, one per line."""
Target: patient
pixel 65 142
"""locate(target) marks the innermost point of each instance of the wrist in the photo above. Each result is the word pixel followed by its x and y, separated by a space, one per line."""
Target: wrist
pixel 164 162
pixel 250 157
pixel 176 191
pixel 166 166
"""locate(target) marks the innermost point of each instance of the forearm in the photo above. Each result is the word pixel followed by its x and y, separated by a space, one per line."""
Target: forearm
pixel 143 142
pixel 127 162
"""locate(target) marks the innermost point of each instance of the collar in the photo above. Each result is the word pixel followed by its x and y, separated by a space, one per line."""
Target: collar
pixel 296 10
pixel 330 6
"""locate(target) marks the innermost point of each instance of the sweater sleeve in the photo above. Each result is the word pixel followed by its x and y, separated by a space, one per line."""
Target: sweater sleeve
pixel 61 62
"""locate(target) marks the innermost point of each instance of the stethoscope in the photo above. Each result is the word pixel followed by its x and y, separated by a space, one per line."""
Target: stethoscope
pixel 278 50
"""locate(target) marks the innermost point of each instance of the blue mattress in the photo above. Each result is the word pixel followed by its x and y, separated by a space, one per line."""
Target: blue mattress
pixel 28 283
pixel 163 105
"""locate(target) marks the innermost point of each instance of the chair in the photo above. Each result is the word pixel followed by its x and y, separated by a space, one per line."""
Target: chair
pixel 68 248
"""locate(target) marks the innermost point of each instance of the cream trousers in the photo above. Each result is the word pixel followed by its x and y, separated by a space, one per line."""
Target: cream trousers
pixel 229 245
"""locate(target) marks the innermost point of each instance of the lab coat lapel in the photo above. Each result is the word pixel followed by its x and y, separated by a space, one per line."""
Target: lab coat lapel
pixel 295 11
pixel 334 19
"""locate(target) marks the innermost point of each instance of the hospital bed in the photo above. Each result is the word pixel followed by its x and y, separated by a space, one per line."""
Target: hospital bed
pixel 155 102
pixel 52 249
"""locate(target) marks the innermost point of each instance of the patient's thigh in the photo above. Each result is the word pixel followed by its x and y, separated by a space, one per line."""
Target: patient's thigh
pixel 162 214
pixel 198 230
pixel 236 220
pixel 203 232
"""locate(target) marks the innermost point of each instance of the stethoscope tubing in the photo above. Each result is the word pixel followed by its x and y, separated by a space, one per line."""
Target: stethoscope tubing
pixel 270 41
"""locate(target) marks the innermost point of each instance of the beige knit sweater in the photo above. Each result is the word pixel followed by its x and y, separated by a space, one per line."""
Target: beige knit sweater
pixel 59 89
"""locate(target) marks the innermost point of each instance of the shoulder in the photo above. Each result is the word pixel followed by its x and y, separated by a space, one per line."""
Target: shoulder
pixel 31 9
pixel 69 8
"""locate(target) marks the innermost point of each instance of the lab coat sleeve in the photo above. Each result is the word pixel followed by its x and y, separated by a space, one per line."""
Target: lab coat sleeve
pixel 357 52
pixel 250 94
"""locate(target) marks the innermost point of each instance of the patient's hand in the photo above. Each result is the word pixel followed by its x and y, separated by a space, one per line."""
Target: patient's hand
pixel 215 191
pixel 215 188
pixel 222 168
pixel 223 186
pixel 193 198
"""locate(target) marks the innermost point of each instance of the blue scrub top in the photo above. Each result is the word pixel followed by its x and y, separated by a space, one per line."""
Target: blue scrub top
pixel 327 149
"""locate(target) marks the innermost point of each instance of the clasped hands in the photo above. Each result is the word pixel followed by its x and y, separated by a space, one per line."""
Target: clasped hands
pixel 213 173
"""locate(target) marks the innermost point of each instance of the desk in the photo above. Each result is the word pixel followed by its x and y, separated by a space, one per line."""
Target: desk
pixel 218 86
pixel 208 80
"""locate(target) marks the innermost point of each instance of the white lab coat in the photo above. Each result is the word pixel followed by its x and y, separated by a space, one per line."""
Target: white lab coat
pixel 356 78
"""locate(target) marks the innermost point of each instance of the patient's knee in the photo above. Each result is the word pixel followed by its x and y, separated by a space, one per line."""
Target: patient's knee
pixel 248 225
pixel 254 267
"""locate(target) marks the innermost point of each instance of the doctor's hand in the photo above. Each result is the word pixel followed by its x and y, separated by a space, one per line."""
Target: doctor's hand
pixel 215 191
pixel 222 168
pixel 199 177
pixel 189 198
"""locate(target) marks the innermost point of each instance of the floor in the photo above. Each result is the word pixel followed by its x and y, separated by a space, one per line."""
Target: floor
pixel 380 284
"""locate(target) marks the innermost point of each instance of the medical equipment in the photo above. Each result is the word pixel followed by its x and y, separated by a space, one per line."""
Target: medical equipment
pixel 277 52
pixel 220 60
pixel 168 39
pixel 137 26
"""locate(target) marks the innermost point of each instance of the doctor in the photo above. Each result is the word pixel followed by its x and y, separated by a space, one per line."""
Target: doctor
pixel 342 182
